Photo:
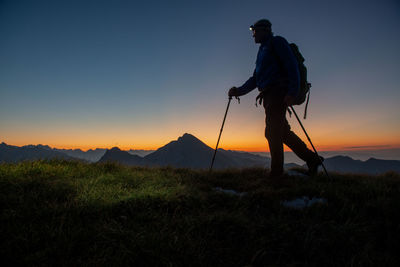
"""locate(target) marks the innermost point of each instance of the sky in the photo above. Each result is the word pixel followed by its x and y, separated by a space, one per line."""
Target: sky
pixel 138 74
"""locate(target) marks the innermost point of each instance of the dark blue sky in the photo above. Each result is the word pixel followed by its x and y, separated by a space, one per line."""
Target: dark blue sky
pixel 139 73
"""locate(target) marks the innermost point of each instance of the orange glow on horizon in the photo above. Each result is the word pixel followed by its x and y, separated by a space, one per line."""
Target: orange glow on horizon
pixel 236 136
pixel 237 145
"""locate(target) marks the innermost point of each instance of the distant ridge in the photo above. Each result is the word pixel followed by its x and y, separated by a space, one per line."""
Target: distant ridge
pixel 245 159
pixel 140 152
pixel 346 164
pixel 188 152
pixel 117 155
pixel 11 154
pixel 91 155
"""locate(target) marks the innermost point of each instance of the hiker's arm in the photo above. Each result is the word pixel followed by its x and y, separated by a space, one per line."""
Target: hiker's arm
pixel 285 54
pixel 248 86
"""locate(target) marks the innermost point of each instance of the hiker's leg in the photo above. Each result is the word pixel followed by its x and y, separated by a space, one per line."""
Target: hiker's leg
pixel 296 144
pixel 274 129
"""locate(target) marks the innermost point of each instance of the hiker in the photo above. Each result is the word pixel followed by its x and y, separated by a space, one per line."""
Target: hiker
pixel 276 76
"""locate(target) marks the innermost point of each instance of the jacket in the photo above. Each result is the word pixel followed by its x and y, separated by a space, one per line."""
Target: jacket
pixel 276 68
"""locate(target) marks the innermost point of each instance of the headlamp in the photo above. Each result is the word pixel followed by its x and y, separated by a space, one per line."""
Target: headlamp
pixel 261 24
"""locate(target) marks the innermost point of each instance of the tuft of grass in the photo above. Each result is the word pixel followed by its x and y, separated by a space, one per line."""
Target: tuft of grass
pixel 71 213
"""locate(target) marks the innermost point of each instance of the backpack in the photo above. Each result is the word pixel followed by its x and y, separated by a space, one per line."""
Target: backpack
pixel 304 90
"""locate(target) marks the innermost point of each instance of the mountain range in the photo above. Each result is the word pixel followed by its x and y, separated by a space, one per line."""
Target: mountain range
pixel 186 152
pixel 92 155
pixel 30 152
pixel 371 166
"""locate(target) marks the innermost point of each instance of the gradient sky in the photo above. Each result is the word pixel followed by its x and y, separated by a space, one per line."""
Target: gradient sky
pixel 138 74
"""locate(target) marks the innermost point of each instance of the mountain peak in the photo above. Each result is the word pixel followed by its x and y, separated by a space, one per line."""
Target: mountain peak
pixel 117 155
pixel 43 147
pixel 188 137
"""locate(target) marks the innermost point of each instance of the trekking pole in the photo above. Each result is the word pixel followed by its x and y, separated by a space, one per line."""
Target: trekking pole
pixel 220 132
pixel 323 166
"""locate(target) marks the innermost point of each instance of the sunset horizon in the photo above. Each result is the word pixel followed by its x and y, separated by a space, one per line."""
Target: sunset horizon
pixel 136 75
pixel 200 133
pixel 210 143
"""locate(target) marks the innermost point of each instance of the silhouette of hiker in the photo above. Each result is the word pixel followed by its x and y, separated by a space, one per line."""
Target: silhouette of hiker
pixel 278 83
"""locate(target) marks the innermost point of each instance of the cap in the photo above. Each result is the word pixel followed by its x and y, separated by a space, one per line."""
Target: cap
pixel 262 23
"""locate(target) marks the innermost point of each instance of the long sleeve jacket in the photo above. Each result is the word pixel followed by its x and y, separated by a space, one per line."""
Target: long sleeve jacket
pixel 276 67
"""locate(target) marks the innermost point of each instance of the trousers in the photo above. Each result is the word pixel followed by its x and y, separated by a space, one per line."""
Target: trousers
pixel 278 132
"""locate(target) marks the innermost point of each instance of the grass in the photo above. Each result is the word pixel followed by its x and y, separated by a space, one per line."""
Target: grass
pixel 68 213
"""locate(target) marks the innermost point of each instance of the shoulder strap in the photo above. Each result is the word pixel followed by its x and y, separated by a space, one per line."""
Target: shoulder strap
pixel 273 51
pixel 272 48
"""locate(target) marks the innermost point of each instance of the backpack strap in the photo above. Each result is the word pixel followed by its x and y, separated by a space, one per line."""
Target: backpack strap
pixel 280 65
pixel 278 60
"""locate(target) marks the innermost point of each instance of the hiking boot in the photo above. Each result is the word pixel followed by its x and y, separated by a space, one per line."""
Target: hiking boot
pixel 313 165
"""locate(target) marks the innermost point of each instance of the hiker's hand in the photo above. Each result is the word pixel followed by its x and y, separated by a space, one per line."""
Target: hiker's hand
pixel 233 92
pixel 289 100
pixel 260 98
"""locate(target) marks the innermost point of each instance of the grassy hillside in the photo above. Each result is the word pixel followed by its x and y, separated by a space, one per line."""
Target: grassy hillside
pixel 71 213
